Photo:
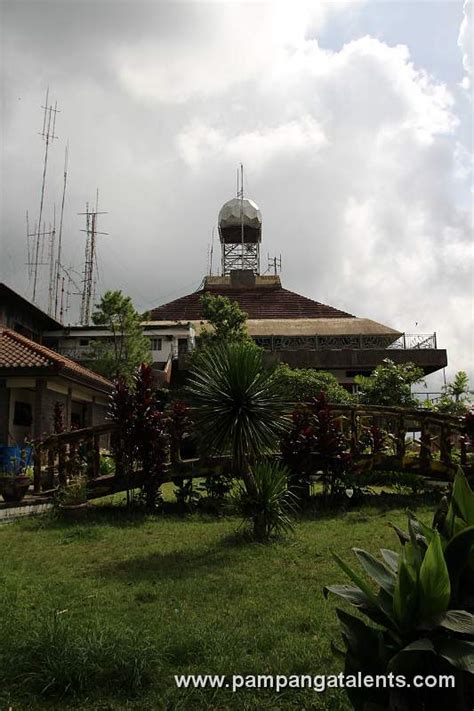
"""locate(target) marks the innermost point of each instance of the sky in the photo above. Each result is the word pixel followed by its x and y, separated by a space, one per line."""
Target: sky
pixel 353 120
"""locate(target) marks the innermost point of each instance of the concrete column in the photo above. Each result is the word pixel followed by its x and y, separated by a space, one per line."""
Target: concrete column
pixel 39 414
pixel 68 409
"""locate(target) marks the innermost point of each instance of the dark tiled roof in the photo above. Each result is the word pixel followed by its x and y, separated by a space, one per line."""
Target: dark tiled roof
pixel 257 302
pixel 17 351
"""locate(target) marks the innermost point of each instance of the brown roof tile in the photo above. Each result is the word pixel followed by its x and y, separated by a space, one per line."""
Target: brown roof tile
pixel 17 351
pixel 258 303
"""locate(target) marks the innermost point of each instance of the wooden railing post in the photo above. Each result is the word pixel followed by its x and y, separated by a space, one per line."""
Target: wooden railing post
pixel 37 470
pixel 95 455
pixel 425 445
pixel 445 446
pixel 50 468
pixel 354 437
pixel 62 466
pixel 401 433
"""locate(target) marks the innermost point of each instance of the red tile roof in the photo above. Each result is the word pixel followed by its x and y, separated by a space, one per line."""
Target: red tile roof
pixel 258 302
pixel 17 351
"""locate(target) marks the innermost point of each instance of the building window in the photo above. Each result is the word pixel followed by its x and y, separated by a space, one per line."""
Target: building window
pixel 156 344
pixel 22 414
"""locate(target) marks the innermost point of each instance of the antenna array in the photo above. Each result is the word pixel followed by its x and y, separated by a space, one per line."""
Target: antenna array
pixel 36 250
pixel 90 261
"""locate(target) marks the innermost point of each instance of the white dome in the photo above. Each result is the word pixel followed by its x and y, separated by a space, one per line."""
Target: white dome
pixel 230 214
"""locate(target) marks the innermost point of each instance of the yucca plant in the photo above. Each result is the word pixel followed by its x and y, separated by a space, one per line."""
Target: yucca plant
pixel 270 506
pixel 238 407
pixel 420 626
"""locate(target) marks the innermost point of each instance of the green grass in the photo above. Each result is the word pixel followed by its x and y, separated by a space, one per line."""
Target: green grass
pixel 102 615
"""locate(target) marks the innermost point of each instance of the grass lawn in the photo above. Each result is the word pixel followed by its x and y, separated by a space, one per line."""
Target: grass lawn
pixel 101 615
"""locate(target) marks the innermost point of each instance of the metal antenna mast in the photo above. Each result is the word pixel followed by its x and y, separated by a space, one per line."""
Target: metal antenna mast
pixel 52 264
pixel 47 133
pixel 60 237
pixel 90 259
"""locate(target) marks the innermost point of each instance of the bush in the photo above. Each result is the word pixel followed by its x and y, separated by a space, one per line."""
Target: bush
pixel 316 444
pixel 422 607
pixel 304 384
pixel 269 507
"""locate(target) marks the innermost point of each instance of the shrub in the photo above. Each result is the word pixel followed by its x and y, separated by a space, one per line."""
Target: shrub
pixel 424 618
pixel 239 409
pixel 315 443
pixel 269 507
pixel 304 384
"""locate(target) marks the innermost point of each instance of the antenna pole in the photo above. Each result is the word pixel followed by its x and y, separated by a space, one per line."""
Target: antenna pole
pixel 90 260
pixel 60 237
pixel 47 133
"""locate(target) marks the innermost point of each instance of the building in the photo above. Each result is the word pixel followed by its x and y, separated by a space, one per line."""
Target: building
pixel 168 341
pixel 22 316
pixel 33 378
pixel 290 327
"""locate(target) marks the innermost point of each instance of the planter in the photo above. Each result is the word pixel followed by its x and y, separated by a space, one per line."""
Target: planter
pixel 14 488
pixel 74 512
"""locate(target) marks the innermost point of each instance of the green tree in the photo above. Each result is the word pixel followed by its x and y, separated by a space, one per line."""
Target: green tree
pixel 459 388
pixel 389 384
pixel 239 408
pixel 126 348
pixel 303 384
pixel 226 319
pixel 455 397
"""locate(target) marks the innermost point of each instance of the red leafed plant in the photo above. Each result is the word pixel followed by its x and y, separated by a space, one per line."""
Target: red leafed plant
pixel 315 444
pixel 140 441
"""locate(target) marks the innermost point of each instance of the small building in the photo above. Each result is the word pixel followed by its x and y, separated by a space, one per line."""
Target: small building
pixel 33 378
pixel 168 341
pixel 22 316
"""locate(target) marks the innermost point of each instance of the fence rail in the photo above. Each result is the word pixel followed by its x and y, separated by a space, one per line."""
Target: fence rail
pixel 59 457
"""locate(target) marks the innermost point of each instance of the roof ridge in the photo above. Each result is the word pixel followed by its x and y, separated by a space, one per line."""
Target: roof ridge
pixel 53 357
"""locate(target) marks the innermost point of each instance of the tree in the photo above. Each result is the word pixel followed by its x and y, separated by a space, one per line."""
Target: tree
pixel 227 321
pixel 455 397
pixel 140 439
pixel 389 384
pixel 239 407
pixel 126 348
pixel 304 384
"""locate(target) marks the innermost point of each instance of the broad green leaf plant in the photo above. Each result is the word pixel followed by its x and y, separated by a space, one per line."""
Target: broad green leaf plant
pixel 421 601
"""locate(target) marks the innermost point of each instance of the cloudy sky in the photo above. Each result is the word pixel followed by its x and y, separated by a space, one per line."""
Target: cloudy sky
pixel 353 121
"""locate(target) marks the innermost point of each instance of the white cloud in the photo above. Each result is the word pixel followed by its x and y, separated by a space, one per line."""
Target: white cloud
pixel 352 153
pixel 465 42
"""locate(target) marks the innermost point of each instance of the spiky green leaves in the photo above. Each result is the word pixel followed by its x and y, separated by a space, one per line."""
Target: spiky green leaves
pixel 239 410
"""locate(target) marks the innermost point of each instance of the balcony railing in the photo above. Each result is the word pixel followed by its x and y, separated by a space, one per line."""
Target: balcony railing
pixel 407 341
pixel 415 341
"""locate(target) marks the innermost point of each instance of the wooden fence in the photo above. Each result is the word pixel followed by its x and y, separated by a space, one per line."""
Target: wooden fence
pixel 58 457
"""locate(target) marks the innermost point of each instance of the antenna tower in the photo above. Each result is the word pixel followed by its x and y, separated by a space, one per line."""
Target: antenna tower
pixel 90 260
pixel 274 263
pixel 57 276
pixel 48 136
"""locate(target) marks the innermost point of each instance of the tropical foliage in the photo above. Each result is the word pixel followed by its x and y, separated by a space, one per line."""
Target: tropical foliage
pixel 303 384
pixel 120 354
pixel 424 621
pixel 270 506
pixel 226 320
pixel 239 408
pixel 389 384
pixel 455 398
pixel 141 441
pixel 315 444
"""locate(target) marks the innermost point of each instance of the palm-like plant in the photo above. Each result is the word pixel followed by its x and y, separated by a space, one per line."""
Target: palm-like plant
pixel 239 408
pixel 269 507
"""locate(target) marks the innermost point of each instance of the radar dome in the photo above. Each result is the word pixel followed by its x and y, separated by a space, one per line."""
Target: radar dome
pixel 236 213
